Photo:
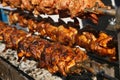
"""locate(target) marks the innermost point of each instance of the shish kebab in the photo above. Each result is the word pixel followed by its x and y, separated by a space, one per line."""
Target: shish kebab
pixel 67 35
pixel 52 56
pixel 65 8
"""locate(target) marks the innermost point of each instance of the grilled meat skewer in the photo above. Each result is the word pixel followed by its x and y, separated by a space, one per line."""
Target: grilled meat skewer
pixel 51 56
pixel 67 35
pixel 65 8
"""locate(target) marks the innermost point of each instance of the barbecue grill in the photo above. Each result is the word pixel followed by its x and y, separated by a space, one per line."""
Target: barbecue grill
pixel 13 69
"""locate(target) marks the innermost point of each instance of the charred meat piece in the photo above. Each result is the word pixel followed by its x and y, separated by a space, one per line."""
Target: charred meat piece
pixel 52 56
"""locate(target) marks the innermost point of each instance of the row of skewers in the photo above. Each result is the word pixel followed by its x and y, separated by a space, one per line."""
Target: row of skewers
pixel 52 56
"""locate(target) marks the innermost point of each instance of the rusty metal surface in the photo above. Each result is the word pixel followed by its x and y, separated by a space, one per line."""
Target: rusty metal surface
pixel 119 53
pixel 7 72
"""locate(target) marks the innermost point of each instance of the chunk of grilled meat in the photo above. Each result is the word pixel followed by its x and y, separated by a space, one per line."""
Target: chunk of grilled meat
pixel 63 56
pixel 71 8
pixel 70 35
pixel 98 45
pixel 101 45
pixel 2 26
pixel 84 40
pixel 13 18
pixel 11 41
pixel 12 3
pixel 51 56
pixel 46 29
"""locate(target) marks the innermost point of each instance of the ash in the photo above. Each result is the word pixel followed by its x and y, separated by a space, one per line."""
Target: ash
pixel 28 66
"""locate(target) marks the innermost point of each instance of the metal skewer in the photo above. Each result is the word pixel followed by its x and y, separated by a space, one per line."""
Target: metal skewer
pixel 111 12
